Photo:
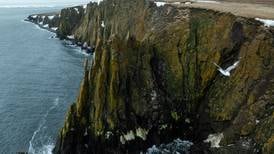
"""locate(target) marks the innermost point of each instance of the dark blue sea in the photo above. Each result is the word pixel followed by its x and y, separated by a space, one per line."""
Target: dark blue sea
pixel 39 80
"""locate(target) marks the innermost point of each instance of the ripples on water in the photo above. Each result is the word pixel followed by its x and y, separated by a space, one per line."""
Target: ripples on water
pixel 39 79
pixel 42 140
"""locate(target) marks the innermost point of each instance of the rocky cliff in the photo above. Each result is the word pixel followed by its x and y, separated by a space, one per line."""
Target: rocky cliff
pixel 153 80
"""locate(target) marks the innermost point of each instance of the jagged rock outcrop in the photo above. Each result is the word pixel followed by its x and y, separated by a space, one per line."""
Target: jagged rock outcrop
pixel 49 21
pixel 153 80
pixel 69 20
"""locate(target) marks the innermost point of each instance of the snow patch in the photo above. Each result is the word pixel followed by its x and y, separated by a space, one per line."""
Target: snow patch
pixel 77 10
pixel 153 95
pixel 159 4
pixel 187 120
pixel 51 17
pixel 85 8
pixel 34 16
pixel 108 134
pixel 204 1
pixel 71 37
pixel 257 121
pixel 86 132
pixel 163 127
pixel 122 139
pixel 266 22
pixel 176 3
pixel 54 28
pixel 129 136
pixel 142 133
pixel 46 26
pixel 99 1
pixel 188 3
pixel 214 139
pixel 103 24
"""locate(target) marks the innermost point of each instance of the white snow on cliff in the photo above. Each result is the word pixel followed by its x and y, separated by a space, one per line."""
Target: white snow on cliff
pixel 46 26
pixel 159 4
pixel 76 9
pixel 214 139
pixel 266 22
pixel 51 17
pixel 103 24
pixel 207 1
pixel 54 28
pixel 70 37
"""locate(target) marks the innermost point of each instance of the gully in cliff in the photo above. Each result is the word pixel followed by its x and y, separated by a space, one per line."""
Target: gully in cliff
pixel 152 87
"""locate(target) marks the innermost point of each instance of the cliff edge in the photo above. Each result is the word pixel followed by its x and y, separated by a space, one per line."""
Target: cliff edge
pixel 153 79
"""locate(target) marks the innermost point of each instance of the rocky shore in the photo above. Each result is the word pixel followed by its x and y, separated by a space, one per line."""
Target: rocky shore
pixel 154 80
pixel 62 23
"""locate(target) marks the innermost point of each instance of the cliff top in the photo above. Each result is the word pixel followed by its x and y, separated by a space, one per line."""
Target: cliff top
pixel 264 9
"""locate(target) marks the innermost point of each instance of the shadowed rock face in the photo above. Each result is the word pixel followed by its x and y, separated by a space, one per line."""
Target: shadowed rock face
pixel 153 80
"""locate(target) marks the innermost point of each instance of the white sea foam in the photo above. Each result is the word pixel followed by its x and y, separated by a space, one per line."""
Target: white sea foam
pixel 46 149
pixel 75 48
pixel 42 29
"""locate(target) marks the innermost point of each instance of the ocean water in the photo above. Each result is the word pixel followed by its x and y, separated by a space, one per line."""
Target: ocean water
pixel 39 3
pixel 39 79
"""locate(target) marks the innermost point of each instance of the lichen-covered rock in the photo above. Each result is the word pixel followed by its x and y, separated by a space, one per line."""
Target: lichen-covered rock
pixel 153 79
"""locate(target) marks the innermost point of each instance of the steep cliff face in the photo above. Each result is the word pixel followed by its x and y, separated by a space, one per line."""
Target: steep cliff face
pixel 152 79
pixel 69 20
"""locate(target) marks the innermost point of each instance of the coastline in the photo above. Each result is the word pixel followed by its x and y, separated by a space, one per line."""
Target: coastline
pixel 44 21
pixel 169 34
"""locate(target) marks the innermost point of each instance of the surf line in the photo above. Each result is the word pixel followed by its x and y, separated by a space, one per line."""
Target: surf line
pixel 42 123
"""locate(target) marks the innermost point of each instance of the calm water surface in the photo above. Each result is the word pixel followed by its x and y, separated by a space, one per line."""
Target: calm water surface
pixel 39 79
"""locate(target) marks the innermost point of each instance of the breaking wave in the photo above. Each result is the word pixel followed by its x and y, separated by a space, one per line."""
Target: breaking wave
pixel 45 141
